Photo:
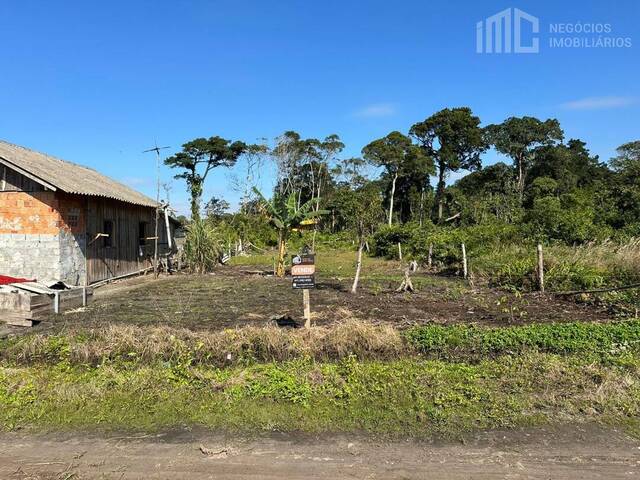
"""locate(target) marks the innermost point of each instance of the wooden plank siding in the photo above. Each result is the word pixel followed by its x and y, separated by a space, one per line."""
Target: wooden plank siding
pixel 120 253
pixel 12 181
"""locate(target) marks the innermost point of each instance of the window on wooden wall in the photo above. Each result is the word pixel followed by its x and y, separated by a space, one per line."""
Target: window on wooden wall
pixel 72 217
pixel 107 240
pixel 142 234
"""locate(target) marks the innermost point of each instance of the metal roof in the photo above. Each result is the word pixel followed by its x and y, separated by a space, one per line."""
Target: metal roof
pixel 57 174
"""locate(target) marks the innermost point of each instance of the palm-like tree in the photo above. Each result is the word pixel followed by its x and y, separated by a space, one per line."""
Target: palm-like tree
pixel 287 216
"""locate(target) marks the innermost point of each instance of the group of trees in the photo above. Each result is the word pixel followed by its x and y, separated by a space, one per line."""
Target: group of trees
pixel 552 188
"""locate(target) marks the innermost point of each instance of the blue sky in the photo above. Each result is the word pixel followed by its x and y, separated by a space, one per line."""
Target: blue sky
pixel 99 82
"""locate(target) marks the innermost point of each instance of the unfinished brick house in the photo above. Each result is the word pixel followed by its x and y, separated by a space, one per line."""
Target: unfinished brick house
pixel 62 221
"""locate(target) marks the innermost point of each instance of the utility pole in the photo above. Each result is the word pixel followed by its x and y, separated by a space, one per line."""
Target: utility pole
pixel 156 149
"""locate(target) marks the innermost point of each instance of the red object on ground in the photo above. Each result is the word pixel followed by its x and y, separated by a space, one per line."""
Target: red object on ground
pixel 4 280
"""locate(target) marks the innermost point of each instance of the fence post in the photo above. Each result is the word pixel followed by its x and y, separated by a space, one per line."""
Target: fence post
pixel 540 269
pixel 429 261
pixel 464 261
pixel 399 251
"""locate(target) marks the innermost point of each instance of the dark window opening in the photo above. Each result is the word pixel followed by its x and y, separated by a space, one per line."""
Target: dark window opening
pixel 107 239
pixel 73 217
pixel 142 235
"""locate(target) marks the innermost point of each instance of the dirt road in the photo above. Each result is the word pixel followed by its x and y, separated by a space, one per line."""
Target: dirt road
pixel 566 453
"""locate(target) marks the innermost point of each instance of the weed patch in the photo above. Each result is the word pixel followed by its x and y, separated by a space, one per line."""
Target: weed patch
pixel 403 397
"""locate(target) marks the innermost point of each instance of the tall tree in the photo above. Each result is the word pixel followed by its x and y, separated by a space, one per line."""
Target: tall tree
pixel 249 172
pixel 197 158
pixel 571 165
pixel 216 207
pixel 626 166
pixel 362 207
pixel 322 159
pixel 519 137
pixel 394 152
pixel 289 154
pixel 627 162
pixel 454 139
pixel 351 171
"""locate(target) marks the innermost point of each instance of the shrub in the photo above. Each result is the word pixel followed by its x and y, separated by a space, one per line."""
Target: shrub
pixel 568 218
pixel 202 246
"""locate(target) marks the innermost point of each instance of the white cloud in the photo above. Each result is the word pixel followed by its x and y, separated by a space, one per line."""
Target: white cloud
pixel 376 110
pixel 599 103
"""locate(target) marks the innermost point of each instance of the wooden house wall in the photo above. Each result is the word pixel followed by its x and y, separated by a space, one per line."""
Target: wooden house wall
pixel 119 255
pixel 126 253
pixel 12 181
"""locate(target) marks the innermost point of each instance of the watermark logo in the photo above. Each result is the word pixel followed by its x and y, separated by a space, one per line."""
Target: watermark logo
pixel 503 32
pixel 515 31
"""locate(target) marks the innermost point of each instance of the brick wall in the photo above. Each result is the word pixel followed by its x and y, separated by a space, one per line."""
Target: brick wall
pixel 42 235
pixel 29 213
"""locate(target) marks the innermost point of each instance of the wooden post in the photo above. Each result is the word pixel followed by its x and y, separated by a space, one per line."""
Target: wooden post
pixel 307 307
pixel 540 269
pixel 56 302
pixel 84 296
pixel 464 261
pixel 429 260
pixel 399 251
pixel 156 266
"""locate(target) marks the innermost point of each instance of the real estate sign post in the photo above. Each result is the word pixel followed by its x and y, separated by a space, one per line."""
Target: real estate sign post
pixel 303 274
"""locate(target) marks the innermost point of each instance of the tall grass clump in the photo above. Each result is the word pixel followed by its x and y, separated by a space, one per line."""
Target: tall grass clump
pixel 202 247
pixel 149 345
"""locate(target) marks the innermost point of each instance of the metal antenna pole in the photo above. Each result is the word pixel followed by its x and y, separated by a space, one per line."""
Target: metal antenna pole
pixel 156 270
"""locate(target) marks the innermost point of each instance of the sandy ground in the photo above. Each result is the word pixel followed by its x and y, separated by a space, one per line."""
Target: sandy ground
pixel 556 453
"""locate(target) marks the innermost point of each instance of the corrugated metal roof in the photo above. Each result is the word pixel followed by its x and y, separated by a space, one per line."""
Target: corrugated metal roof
pixel 70 177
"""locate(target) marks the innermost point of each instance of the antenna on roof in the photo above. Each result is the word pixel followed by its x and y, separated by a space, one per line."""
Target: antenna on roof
pixel 155 250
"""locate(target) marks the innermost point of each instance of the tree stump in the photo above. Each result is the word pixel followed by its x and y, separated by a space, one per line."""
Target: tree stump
pixel 406 285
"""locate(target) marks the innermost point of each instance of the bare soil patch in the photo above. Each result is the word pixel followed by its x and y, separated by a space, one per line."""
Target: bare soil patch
pixel 237 296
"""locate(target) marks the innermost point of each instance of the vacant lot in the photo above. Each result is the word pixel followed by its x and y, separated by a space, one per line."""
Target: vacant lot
pixel 246 294
pixel 206 351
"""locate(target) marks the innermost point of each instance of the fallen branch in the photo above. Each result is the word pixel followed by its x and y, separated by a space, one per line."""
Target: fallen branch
pixel 453 217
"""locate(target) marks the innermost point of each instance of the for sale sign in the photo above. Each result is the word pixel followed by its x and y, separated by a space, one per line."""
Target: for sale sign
pixel 303 270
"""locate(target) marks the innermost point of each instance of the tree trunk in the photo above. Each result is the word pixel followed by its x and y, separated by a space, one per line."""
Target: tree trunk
pixel 440 191
pixel 393 192
pixel 282 250
pixel 520 179
pixel 421 206
pixel 195 207
pixel 356 279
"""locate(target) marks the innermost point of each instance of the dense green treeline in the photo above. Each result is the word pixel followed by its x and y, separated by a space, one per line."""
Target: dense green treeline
pixel 548 190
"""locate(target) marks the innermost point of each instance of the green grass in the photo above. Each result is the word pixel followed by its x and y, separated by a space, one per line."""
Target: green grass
pixel 337 263
pixel 469 342
pixel 404 397
pixel 444 381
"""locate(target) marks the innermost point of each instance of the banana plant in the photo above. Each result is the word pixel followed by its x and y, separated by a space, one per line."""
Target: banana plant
pixel 286 217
